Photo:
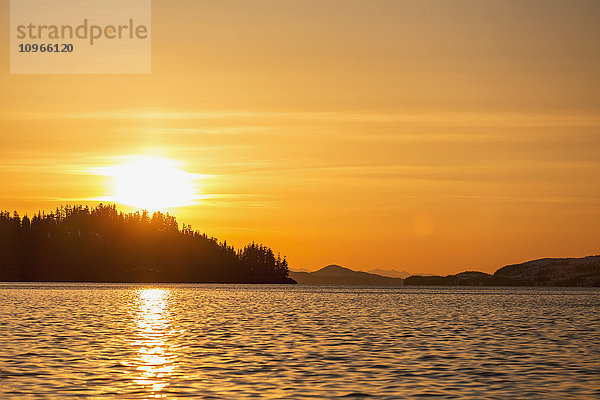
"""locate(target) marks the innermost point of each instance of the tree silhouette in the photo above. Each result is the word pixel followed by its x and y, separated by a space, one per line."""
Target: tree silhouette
pixel 79 243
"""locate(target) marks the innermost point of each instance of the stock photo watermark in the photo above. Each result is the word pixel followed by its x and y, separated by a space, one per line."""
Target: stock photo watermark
pixel 80 36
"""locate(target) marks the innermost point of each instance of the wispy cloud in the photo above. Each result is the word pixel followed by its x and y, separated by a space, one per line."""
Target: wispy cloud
pixel 433 117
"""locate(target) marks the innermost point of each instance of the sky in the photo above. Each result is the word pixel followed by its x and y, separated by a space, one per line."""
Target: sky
pixel 427 136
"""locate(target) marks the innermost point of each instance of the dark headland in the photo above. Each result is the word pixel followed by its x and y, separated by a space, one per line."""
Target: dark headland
pixel 544 272
pixel 83 244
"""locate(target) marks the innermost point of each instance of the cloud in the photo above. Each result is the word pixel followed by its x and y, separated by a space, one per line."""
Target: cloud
pixel 424 117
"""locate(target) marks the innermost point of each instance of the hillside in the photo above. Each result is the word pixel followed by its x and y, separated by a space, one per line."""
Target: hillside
pixel 552 272
pixel 544 272
pixel 336 275
pixel 83 244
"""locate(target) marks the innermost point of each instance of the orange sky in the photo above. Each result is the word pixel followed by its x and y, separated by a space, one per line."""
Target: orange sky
pixel 430 136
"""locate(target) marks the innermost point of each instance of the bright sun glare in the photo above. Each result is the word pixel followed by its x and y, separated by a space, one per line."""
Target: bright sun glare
pixel 152 183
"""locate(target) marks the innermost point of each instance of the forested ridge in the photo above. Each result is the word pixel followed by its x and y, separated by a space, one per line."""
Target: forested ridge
pixel 100 244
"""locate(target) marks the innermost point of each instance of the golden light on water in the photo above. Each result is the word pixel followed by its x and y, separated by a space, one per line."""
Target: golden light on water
pixel 155 362
pixel 152 183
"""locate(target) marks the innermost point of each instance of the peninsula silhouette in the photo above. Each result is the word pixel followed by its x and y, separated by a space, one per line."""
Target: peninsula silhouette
pixel 100 244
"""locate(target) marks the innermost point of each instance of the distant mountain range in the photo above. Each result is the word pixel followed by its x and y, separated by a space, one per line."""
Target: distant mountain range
pixel 336 275
pixel 544 272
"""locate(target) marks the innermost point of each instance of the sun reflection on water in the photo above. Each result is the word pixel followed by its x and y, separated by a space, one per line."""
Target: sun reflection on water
pixel 155 361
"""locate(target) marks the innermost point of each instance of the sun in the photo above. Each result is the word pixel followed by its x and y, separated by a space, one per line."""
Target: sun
pixel 152 183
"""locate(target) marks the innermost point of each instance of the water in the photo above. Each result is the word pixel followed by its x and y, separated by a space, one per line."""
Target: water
pixel 237 341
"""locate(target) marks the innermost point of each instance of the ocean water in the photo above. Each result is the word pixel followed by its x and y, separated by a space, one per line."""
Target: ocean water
pixel 295 342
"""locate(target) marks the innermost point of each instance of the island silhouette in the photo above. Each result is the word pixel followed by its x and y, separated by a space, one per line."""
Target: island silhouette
pixel 100 244
pixel 561 272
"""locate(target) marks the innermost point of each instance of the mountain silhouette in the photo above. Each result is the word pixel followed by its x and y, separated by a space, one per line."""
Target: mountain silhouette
pixel 338 275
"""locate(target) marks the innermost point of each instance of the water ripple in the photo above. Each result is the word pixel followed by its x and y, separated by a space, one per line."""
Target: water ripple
pixel 236 341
